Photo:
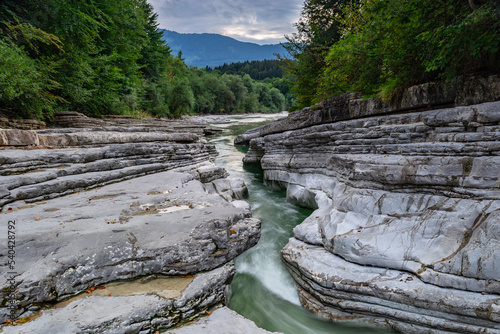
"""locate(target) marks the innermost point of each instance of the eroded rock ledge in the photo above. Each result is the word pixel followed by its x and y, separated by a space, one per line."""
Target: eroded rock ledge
pixel 406 232
pixel 433 95
pixel 122 205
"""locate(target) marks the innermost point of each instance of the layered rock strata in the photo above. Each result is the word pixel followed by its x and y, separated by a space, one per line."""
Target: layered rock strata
pixel 25 124
pixel 406 231
pixel 133 311
pixel 93 137
pixel 116 206
pixel 433 95
pixel 72 119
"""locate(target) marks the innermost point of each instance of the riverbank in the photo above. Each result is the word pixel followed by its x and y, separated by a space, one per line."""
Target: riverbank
pixel 118 227
pixel 404 232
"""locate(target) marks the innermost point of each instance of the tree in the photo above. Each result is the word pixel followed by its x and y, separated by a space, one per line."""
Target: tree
pixel 182 98
pixel 317 30
pixel 156 54
pixel 25 84
pixel 278 99
pixel 104 57
pixel 108 55
pixel 387 45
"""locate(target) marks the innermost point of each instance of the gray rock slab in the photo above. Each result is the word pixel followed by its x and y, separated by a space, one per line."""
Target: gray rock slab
pixel 14 137
pixel 221 321
pixel 33 175
pixel 451 242
pixel 162 223
pixel 351 106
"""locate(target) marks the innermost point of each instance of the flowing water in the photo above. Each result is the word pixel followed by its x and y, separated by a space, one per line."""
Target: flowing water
pixel 262 289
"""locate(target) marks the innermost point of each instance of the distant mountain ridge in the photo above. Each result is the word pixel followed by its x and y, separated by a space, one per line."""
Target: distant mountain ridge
pixel 212 50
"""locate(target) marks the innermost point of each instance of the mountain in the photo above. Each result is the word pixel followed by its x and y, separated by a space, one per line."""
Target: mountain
pixel 212 50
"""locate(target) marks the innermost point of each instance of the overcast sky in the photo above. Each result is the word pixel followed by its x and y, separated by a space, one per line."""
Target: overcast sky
pixel 258 21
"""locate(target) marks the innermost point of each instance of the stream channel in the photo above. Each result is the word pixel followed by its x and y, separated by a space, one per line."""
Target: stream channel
pixel 262 289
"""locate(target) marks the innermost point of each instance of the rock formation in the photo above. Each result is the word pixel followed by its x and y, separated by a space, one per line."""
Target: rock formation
pixel 406 228
pixel 222 321
pixel 116 229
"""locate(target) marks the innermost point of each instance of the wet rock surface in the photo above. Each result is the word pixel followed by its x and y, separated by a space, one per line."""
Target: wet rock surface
pixel 97 206
pixel 406 228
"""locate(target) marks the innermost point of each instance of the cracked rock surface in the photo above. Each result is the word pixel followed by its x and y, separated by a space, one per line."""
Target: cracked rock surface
pixel 117 208
pixel 132 313
pixel 406 227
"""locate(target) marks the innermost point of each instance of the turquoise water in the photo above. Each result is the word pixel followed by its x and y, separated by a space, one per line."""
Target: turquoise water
pixel 262 289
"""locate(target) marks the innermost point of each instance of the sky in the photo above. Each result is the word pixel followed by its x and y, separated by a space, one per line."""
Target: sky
pixel 257 21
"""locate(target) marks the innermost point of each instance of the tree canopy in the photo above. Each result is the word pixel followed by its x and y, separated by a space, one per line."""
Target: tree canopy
pixel 266 71
pixel 378 47
pixel 104 57
pixel 256 69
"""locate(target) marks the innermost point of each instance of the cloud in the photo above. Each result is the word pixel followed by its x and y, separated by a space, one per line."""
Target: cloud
pixel 258 21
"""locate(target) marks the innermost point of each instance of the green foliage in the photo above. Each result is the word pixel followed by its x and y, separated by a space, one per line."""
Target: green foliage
pixel 278 100
pixel 257 69
pixel 215 93
pixel 182 98
pixel 106 57
pixel 155 55
pixel 267 71
pixel 97 55
pixel 156 97
pixel 382 46
pixel 469 42
pixel 317 29
pixel 388 45
pixel 31 37
pixel 26 83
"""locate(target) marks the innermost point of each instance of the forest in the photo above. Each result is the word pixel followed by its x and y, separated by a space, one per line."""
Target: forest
pixel 379 47
pixel 266 71
pixel 256 69
pixel 108 57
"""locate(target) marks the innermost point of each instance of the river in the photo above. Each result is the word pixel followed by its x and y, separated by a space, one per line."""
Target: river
pixel 262 289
